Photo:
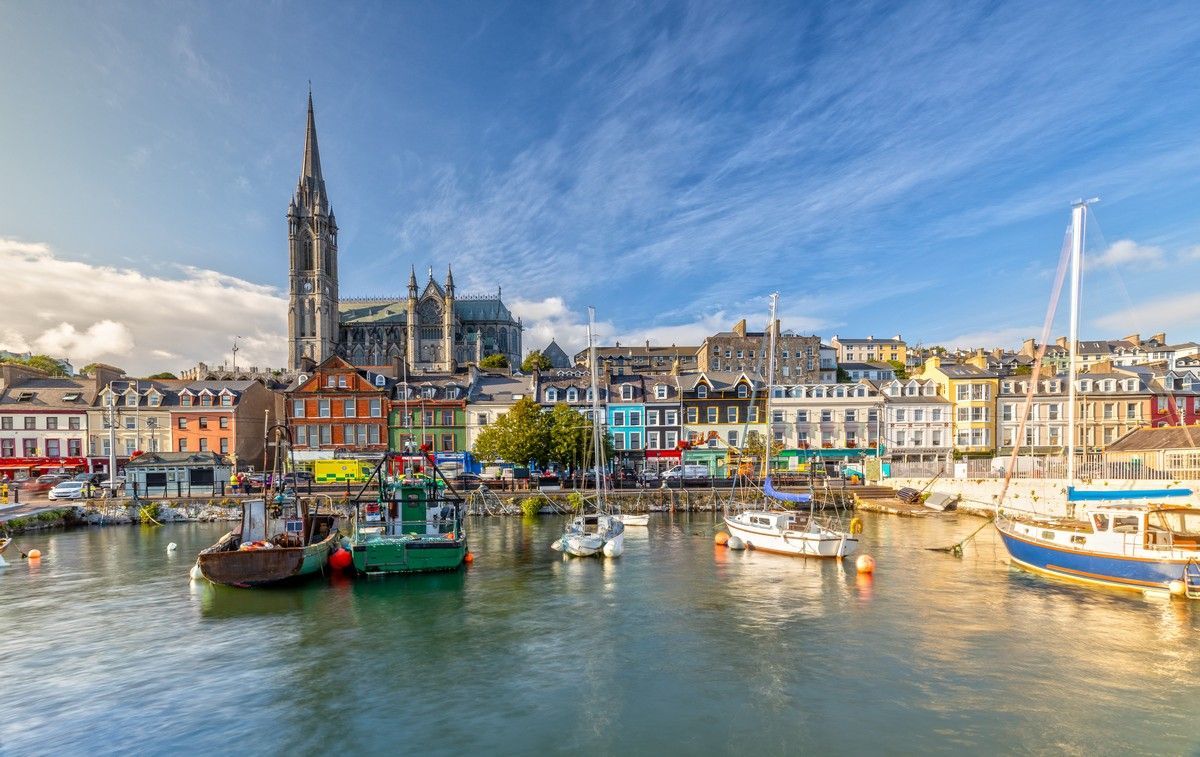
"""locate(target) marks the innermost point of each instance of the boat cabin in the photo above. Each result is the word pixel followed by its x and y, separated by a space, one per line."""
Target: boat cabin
pixel 409 508
pixel 1124 529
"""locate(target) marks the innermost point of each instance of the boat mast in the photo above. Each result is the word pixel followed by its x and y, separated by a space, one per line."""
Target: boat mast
pixel 1078 230
pixel 770 387
pixel 597 447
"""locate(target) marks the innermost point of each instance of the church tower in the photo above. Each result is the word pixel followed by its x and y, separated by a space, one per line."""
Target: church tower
pixel 448 324
pixel 312 245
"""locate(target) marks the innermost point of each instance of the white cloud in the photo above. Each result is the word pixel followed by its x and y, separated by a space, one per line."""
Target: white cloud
pixel 1191 253
pixel 140 322
pixel 1158 314
pixel 1125 252
pixel 1010 338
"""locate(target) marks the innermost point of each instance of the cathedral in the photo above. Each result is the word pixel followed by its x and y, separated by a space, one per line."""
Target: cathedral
pixel 433 329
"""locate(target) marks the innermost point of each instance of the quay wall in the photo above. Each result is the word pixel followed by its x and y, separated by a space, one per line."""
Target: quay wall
pixel 1042 496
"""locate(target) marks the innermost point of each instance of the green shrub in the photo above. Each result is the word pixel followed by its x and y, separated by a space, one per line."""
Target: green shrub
pixel 575 502
pixel 530 507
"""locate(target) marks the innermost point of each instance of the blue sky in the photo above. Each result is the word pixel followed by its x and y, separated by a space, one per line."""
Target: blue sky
pixel 887 167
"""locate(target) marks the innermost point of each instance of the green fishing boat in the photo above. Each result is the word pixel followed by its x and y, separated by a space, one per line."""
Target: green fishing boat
pixel 412 527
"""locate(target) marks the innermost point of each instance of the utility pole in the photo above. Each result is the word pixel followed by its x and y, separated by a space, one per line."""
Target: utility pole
pixel 235 352
pixel 112 436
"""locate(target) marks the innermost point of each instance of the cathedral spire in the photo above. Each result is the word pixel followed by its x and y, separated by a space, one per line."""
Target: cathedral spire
pixel 412 282
pixel 311 179
pixel 449 281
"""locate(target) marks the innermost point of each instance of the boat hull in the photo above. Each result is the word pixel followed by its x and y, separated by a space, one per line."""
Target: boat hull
pixel 1134 573
pixel 634 520
pixel 263 567
pixel 793 543
pixel 408 555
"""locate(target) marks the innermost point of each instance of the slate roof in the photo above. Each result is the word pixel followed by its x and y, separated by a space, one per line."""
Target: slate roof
pixel 1166 437
pixel 49 392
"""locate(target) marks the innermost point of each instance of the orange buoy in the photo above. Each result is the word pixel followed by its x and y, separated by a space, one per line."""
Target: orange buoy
pixel 470 558
pixel 450 536
pixel 340 559
pixel 722 538
pixel 35 554
pixel 865 564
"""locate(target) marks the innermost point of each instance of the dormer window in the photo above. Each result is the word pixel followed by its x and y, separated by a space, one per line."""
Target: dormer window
pixel 330 381
pixel 185 400
pixel 226 400
pixel 660 392
pixel 701 390
pixel 380 381
pixel 552 395
pixel 342 381
pixel 72 397
pixel 626 391
pixel 131 400
pixel 572 395
pixel 428 392
pixel 743 391
pixel 205 400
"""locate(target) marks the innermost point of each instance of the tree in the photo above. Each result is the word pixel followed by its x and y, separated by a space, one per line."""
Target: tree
pixel 755 446
pixel 494 361
pixel 519 436
pixel 43 363
pixel 535 361
pixel 900 368
pixel 163 375
pixel 570 436
pixel 1023 370
pixel 90 368
pixel 842 376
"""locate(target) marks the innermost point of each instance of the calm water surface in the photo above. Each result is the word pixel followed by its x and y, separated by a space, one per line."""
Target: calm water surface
pixel 677 646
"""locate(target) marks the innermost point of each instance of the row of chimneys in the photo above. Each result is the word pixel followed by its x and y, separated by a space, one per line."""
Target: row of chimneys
pixel 14 373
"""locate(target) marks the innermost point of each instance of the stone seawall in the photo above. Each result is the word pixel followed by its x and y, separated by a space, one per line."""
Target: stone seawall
pixel 1043 496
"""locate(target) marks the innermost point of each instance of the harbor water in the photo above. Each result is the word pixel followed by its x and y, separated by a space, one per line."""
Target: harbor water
pixel 678 646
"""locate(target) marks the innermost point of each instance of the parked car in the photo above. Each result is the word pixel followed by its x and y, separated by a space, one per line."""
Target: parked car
pixel 113 484
pixel 91 478
pixel 43 483
pixel 686 471
pixel 72 489
pixel 297 478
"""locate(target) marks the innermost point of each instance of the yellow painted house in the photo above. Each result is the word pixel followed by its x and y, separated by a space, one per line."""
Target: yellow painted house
pixel 972 390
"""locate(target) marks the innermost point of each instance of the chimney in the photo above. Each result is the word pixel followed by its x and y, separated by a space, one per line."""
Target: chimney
pixel 739 328
pixel 1062 342
pixel 397 367
pixel 897 338
pixel 870 337
pixel 998 353
pixel 647 345
pixel 1135 338
pixel 1160 337
pixel 1029 347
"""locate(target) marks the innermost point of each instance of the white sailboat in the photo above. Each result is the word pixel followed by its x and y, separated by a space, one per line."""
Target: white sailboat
pixel 774 529
pixel 601 532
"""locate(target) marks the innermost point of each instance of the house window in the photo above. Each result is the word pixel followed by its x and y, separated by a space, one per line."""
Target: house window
pixel 427 418
pixel 935 415
pixel 349 409
pixel 204 444
pixel 6 423
pixel 182 423
pixel 618 418
pixel 651 417
pixel 373 434
pixel 693 415
pixel 481 419
pixel 732 438
pixel 53 449
pixel 743 391
pixel 572 395
pixel 851 416
pixel 1131 409
pixel 185 400
pixel 701 391
pixel 131 423
pixel 131 400
pixel 660 392
pixel 635 417
pixel 447 442
pixel 301 435
pixel 203 423
pixel 73 423
pixel 801 416
pixel 342 381
pixel 51 423
pixel 731 415
pixel 224 445
pixel 227 400
pixel 30 422
pixel 297 408
pixel 323 408
pixel 652 440
pixel 635 440
pixel 826 416
pixel 326 434
pixel 153 400
pixel 552 395
pixel 223 422
pixel 618 441
pixel 712 415
pixel 672 440
pixel 330 381
pixel 205 400
pixel 671 418
pixel 626 391
pixel 447 417
pixel 183 445
pixel 74 447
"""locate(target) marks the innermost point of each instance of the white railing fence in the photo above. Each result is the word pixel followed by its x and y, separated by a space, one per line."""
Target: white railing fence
pixel 1087 467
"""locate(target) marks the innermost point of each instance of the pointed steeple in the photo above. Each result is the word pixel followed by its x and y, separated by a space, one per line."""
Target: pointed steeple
pixel 312 183
pixel 449 281
pixel 412 282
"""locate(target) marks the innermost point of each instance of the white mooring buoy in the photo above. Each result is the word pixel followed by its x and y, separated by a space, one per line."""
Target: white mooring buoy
pixel 735 542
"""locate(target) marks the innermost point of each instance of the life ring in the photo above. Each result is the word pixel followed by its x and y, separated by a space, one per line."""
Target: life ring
pixel 856 525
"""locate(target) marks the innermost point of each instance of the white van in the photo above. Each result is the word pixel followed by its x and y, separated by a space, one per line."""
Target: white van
pixel 686 471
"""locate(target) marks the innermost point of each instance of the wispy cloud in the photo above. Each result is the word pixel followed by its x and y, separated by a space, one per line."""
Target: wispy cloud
pixel 1126 252
pixel 197 68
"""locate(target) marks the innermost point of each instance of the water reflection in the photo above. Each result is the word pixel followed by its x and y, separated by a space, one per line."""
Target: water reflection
pixel 677 646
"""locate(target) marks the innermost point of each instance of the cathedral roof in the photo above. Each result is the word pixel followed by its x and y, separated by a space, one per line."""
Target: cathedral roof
pixel 387 311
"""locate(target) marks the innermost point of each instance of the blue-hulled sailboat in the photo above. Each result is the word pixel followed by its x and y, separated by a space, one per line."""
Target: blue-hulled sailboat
pixel 1129 539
